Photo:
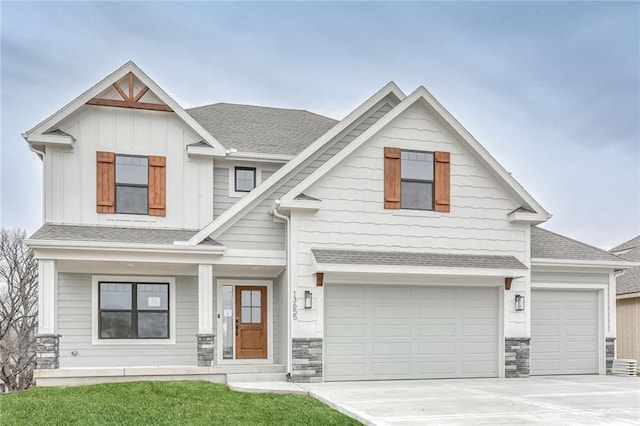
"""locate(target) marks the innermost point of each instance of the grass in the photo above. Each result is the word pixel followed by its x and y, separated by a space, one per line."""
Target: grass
pixel 162 403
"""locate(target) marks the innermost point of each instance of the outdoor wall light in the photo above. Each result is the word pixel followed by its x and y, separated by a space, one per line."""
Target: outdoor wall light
pixel 519 302
pixel 308 302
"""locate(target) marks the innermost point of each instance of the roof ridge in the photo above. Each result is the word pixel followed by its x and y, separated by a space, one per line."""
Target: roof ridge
pixel 579 242
pixel 260 106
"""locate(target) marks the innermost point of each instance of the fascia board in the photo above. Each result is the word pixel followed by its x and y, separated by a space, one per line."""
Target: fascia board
pixel 533 218
pixel 65 141
pixel 418 270
pixel 103 84
pixel 226 217
pixel 583 263
pixel 421 94
pixel 201 151
pixel 259 157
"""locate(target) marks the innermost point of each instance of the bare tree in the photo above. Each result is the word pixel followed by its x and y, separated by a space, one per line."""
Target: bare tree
pixel 18 310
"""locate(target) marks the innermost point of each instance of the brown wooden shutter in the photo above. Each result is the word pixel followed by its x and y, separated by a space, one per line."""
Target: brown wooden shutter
pixel 105 182
pixel 157 186
pixel 391 178
pixel 441 176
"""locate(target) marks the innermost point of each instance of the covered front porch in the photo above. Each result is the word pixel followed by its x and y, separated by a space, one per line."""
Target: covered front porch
pixel 119 313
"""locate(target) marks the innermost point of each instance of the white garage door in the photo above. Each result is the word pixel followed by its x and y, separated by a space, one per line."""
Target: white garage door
pixel 564 332
pixel 375 332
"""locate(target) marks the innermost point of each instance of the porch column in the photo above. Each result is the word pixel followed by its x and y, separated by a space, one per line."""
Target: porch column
pixel 206 335
pixel 47 339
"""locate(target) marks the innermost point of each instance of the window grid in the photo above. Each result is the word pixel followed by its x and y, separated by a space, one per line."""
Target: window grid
pixel 134 310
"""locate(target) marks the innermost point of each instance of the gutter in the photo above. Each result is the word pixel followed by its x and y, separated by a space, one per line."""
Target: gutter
pixel 159 248
pixel 275 213
pixel 584 263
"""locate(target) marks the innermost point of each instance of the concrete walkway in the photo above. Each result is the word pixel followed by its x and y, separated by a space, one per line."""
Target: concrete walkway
pixel 556 400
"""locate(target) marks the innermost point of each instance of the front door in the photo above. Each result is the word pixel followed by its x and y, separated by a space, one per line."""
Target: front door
pixel 251 322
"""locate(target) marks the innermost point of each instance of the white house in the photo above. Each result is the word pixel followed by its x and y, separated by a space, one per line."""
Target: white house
pixel 233 239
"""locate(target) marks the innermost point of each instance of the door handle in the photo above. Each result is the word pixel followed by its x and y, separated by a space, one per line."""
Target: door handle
pixel 237 321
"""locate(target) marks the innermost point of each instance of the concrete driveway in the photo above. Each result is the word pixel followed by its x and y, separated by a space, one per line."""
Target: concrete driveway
pixel 557 400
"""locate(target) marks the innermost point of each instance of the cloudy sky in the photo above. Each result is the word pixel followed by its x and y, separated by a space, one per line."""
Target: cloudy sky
pixel 551 89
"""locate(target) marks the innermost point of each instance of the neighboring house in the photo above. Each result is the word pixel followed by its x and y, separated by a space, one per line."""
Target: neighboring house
pixel 239 239
pixel 628 302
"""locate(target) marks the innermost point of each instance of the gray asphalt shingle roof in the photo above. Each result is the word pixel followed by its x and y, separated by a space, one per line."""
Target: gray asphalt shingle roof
pixel 250 128
pixel 115 235
pixel 629 282
pixel 549 245
pixel 362 257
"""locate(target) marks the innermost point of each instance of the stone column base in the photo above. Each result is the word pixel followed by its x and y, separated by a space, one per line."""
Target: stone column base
pixel 307 360
pixel 47 351
pixel 516 357
pixel 610 351
pixel 206 349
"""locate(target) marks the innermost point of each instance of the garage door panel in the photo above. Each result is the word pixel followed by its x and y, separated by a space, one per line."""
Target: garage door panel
pixel 346 348
pixel 564 332
pixel 338 312
pixel 420 332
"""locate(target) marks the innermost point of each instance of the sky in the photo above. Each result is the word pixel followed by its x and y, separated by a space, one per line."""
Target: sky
pixel 551 89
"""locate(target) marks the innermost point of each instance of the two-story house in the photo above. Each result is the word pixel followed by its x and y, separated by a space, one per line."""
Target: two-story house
pixel 231 239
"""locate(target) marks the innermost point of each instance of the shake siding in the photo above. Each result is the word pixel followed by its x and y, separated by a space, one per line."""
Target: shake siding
pixel 257 230
pixel 353 214
pixel 74 325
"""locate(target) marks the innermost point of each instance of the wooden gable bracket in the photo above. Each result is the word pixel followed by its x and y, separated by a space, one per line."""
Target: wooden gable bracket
pixel 507 283
pixel 319 279
pixel 129 99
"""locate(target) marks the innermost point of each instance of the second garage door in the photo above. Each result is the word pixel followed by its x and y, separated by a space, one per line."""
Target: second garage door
pixel 564 332
pixel 375 332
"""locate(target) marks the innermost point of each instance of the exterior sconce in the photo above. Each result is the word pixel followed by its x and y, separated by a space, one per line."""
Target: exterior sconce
pixel 308 302
pixel 519 302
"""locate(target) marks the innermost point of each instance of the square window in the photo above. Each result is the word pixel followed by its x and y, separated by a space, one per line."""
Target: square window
pixel 133 310
pixel 416 172
pixel 245 178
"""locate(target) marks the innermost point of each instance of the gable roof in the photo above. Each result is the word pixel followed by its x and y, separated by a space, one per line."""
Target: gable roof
pixel 35 134
pixel 549 245
pixel 629 282
pixel 266 130
pixel 422 95
pixel 235 212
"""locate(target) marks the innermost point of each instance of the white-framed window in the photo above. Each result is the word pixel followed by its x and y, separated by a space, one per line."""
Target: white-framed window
pixel 133 310
pixel 132 184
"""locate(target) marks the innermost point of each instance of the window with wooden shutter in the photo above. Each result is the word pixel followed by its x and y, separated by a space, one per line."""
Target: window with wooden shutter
pixel 442 173
pixel 416 180
pixel 157 186
pixel 105 182
pixel 392 178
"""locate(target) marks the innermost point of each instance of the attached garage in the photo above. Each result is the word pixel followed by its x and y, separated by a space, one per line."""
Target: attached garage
pixel 381 332
pixel 565 332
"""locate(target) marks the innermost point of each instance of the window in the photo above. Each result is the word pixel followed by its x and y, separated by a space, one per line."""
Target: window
pixel 130 310
pixel 245 178
pixel 416 171
pixel 417 180
pixel 132 184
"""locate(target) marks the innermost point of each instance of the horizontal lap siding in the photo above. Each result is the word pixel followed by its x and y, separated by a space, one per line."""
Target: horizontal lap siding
pixel 75 322
pixel 353 214
pixel 257 230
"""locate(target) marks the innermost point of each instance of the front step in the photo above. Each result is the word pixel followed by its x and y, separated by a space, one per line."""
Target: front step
pixel 256 377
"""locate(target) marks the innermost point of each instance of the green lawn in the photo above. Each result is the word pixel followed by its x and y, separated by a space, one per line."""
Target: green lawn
pixel 162 403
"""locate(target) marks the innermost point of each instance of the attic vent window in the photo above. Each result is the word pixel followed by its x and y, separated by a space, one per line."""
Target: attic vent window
pixel 245 179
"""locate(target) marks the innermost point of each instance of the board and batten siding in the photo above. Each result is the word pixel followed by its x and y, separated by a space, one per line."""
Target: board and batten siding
pixel 353 214
pixel 246 232
pixel 628 341
pixel 70 175
pixel 75 328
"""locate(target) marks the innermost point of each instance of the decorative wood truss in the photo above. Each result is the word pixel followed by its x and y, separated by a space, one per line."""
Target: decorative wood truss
pixel 129 99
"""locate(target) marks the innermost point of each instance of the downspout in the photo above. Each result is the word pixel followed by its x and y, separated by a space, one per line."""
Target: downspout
pixel 288 255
